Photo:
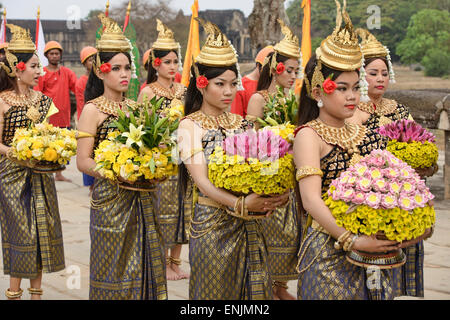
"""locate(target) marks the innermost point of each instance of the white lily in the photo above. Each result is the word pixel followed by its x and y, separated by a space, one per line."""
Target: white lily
pixel 134 136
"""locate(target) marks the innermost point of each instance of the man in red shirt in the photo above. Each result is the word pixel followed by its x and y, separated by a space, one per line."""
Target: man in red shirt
pixel 56 83
pixel 86 59
pixel 250 83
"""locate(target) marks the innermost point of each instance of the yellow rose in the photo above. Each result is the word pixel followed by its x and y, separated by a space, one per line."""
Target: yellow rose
pixel 50 154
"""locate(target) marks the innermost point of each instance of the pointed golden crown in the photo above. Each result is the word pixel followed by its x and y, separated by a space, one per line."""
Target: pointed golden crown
pixel 217 50
pixel 165 39
pixel 112 39
pixel 21 40
pixel 370 46
pixel 289 46
pixel 341 49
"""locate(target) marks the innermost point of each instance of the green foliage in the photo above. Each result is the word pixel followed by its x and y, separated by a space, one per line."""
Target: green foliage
pixel 436 63
pixel 395 17
pixel 428 42
pixel 157 130
pixel 281 109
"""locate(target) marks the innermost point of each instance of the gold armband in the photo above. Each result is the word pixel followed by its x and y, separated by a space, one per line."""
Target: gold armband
pixel 81 134
pixel 189 154
pixel 307 171
pixel 251 118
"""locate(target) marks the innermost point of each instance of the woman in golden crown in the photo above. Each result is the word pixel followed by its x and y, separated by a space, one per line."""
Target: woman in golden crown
pixel 326 144
pixel 127 255
pixel 281 69
pixel 164 62
pixel 32 239
pixel 374 112
pixel 227 252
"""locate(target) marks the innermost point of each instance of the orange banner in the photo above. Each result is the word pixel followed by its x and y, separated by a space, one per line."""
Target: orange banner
pixel 193 46
pixel 306 40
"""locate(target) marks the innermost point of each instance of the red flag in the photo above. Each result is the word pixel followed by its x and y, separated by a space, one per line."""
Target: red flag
pixel 127 17
pixel 37 26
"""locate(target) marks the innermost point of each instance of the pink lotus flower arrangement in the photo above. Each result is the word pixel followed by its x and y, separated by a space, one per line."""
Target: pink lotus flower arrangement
pixel 411 143
pixel 253 161
pixel 381 194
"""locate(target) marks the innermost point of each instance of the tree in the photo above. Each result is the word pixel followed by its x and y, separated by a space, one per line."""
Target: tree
pixel 428 41
pixel 395 16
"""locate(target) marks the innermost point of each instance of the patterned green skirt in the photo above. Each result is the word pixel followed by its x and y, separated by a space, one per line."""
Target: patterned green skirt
pixel 127 259
pixel 31 226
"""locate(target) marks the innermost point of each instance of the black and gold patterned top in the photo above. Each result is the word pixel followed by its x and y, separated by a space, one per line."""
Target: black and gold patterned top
pixel 384 112
pixel 218 128
pixel 339 159
pixel 103 130
pixel 16 116
pixel 178 92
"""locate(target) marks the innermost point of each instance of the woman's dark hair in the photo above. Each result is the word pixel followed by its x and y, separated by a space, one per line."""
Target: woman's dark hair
pixel 95 86
pixel 151 75
pixel 6 82
pixel 265 78
pixel 308 109
pixel 370 60
pixel 193 102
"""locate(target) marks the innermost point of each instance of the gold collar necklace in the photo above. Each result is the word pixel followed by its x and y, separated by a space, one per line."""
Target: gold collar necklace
pixel 226 120
pixel 111 107
pixel 347 137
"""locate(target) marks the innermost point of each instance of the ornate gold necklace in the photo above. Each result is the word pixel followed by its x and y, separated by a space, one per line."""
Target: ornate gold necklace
pixel 26 100
pixel 111 107
pixel 226 120
pixel 30 101
pixel 347 137
pixel 176 91
pixel 386 106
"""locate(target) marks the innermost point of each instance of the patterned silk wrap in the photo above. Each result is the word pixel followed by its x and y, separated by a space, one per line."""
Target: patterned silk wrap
pixel 32 240
pixel 127 259
pixel 227 255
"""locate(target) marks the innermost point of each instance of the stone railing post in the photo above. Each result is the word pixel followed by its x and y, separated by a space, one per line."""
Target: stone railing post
pixel 443 110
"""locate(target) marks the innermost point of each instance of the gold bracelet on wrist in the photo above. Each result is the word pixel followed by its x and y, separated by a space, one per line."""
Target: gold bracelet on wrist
pixel 339 243
pixel 307 171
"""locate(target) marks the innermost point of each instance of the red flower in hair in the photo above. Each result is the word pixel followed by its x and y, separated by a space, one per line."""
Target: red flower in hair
pixel 202 82
pixel 329 86
pixel 21 66
pixel 105 68
pixel 280 68
pixel 157 62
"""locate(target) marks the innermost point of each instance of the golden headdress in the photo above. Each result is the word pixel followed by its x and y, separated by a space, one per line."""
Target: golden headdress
pixel 165 39
pixel 289 46
pixel 21 40
pixel 370 46
pixel 112 39
pixel 217 50
pixel 341 49
pixel 20 43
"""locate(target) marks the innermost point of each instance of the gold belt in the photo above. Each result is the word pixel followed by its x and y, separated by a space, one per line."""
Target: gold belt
pixel 204 201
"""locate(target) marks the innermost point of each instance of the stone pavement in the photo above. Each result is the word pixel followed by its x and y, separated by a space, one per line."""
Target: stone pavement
pixel 73 282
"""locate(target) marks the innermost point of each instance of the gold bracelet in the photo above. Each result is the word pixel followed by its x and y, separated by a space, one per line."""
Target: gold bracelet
pixel 339 243
pixel 348 244
pixel 307 171
pixel 13 294
pixel 36 291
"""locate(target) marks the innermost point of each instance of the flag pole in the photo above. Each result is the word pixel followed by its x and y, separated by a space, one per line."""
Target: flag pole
pixel 107 9
pixel 127 17
pixel 4 24
pixel 37 26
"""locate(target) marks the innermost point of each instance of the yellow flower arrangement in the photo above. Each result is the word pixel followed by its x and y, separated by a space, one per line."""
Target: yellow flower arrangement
pixel 416 154
pixel 44 142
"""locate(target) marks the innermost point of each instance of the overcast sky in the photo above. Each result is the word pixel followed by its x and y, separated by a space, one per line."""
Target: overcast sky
pixel 67 9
